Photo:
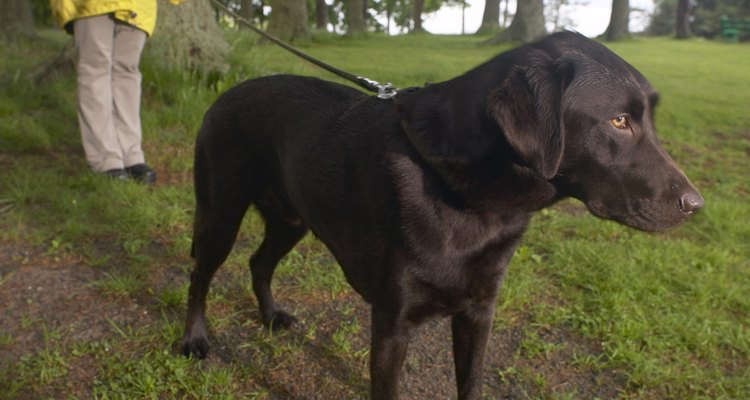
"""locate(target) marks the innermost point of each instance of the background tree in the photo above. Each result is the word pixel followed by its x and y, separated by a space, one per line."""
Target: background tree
pixel 683 19
pixel 506 14
pixel 416 15
pixel 556 14
pixel 396 12
pixel 355 17
pixel 188 35
pixel 490 17
pixel 321 15
pixel 703 17
pixel 16 18
pixel 246 9
pixel 707 13
pixel 527 25
pixel 288 20
pixel 619 21
pixel 662 20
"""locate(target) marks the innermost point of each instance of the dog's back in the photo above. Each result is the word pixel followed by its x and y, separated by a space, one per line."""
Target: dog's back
pixel 288 145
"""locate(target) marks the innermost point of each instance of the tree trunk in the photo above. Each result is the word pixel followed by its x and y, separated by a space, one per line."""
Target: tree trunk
pixel 16 18
pixel 618 23
pixel 683 19
pixel 527 25
pixel 490 17
pixel 416 12
pixel 365 15
pixel 355 17
pixel 288 19
pixel 321 15
pixel 187 36
pixel 246 11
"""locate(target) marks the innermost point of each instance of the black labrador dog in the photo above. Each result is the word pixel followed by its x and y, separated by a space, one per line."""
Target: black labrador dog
pixel 423 198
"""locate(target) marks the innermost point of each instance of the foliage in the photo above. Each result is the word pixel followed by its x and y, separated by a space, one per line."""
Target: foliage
pixel 42 13
pixel 556 13
pixel 397 12
pixel 705 16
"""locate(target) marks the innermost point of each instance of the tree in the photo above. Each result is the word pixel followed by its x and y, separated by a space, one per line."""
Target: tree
pixel 506 15
pixel 527 25
pixel 394 11
pixel 321 15
pixel 288 20
pixel 490 17
pixel 355 17
pixel 416 14
pixel 187 35
pixel 555 13
pixel 246 9
pixel 16 18
pixel 702 19
pixel 619 21
pixel 662 19
pixel 683 19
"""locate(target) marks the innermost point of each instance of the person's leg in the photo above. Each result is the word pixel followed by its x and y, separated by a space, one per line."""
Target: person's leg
pixel 126 91
pixel 94 39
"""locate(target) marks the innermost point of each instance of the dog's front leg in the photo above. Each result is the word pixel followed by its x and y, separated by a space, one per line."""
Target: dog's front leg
pixel 390 340
pixel 471 332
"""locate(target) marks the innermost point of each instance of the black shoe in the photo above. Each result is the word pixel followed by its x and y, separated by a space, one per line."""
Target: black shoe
pixel 117 174
pixel 141 173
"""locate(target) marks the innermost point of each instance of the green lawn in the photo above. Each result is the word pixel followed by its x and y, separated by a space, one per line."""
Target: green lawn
pixel 93 274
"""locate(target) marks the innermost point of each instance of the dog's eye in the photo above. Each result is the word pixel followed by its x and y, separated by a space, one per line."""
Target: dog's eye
pixel 620 122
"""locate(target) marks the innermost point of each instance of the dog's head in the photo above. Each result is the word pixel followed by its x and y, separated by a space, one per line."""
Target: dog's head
pixel 582 119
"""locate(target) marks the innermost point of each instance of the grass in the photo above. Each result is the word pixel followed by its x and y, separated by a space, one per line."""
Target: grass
pixel 667 314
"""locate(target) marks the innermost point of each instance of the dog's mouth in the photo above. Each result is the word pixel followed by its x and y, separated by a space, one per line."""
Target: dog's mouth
pixel 642 214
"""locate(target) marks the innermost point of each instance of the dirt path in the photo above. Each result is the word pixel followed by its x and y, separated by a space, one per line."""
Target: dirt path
pixel 48 298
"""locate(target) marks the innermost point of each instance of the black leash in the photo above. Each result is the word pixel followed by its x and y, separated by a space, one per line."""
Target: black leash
pixel 384 91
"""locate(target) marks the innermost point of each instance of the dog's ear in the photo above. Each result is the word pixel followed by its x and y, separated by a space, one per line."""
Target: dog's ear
pixel 528 109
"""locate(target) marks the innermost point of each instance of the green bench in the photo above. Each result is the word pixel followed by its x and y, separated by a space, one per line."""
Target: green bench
pixel 734 28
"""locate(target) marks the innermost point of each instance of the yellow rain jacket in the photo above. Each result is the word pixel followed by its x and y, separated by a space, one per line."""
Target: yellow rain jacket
pixel 139 13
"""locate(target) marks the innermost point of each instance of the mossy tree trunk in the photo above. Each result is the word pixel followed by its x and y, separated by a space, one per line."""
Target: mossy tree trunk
pixel 490 17
pixel 187 35
pixel 288 20
pixel 683 19
pixel 355 17
pixel 417 8
pixel 321 15
pixel 527 25
pixel 16 18
pixel 619 21
pixel 246 9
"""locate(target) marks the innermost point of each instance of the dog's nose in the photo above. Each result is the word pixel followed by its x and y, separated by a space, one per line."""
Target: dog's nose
pixel 690 202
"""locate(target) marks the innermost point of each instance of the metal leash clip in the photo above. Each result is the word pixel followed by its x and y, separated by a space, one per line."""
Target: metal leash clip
pixel 386 91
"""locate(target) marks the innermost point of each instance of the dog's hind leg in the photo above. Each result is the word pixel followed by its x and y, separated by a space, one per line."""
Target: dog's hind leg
pixel 214 234
pixel 280 237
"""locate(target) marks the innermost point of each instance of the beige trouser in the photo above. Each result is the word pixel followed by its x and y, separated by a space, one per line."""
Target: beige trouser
pixel 109 91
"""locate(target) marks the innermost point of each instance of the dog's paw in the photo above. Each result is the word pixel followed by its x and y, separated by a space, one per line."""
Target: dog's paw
pixel 197 348
pixel 281 319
